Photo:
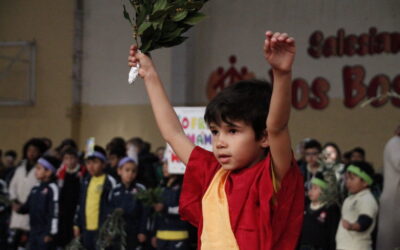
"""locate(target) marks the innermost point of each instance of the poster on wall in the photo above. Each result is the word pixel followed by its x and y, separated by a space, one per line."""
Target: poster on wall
pixel 192 120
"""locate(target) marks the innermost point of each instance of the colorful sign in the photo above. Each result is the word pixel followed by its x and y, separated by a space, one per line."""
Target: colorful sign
pixel 192 120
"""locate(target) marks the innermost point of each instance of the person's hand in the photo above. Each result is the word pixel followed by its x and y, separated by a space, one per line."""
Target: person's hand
pixel 15 206
pixel 154 242
pixel 146 65
pixel 279 51
pixel 158 207
pixel 346 224
pixel 47 239
pixel 141 238
pixel 77 232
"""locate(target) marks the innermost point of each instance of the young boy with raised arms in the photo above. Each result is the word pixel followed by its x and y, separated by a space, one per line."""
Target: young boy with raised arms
pixel 248 193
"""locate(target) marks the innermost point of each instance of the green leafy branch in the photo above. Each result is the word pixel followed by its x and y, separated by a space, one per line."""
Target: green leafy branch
pixel 162 23
pixel 150 196
pixel 112 232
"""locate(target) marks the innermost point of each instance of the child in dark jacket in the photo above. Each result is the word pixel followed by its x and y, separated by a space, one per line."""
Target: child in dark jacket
pixel 321 215
pixel 69 178
pixel 171 232
pixel 94 199
pixel 42 206
pixel 123 196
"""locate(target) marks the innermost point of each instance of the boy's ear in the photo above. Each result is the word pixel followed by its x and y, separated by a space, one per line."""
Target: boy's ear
pixel 264 139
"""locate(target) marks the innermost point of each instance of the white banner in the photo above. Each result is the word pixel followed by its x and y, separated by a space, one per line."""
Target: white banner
pixel 192 121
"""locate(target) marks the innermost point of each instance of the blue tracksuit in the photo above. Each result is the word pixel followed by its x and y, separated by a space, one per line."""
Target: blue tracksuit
pixel 42 206
pixel 135 213
pixel 169 219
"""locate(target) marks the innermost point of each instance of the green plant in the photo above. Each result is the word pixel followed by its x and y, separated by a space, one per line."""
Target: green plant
pixel 162 23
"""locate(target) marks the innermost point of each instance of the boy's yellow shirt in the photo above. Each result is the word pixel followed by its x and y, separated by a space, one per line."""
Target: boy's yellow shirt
pixel 92 208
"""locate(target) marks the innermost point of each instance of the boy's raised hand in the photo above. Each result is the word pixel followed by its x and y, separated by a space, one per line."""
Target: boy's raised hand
pixel 279 50
pixel 146 65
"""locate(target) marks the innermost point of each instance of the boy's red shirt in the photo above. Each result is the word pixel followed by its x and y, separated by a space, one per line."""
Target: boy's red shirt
pixel 260 218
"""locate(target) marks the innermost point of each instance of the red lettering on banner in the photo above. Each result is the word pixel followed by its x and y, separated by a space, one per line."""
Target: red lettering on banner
pixel 320 88
pixel 315 49
pixel 353 78
pixel 299 86
pixel 396 90
pixel 185 122
pixel 382 82
pixel 367 43
pixel 174 157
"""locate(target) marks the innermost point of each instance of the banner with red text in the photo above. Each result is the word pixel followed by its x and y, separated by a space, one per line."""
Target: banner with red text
pixel 192 121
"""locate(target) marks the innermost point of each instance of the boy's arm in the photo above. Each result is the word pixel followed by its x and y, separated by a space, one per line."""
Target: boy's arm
pixel 279 50
pixel 166 118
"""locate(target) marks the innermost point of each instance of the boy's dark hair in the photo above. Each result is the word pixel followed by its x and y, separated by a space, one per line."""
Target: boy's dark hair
pixel 313 144
pixel 116 142
pixel 70 151
pixel 117 150
pixel 11 153
pixel 359 150
pixel 54 161
pixel 66 143
pixel 246 101
pixel 37 143
pixel 363 166
pixel 100 150
pixel 138 142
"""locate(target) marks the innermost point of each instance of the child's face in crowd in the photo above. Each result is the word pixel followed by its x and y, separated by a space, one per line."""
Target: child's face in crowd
pixel 41 173
pixel 9 161
pixel 165 170
pixel 235 145
pixel 356 156
pixel 354 183
pixel 330 154
pixel 312 155
pixel 113 159
pixel 95 166
pixel 32 153
pixel 70 160
pixel 128 172
pixel 314 193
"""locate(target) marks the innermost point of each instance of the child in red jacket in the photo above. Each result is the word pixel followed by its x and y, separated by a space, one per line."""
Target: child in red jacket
pixel 248 193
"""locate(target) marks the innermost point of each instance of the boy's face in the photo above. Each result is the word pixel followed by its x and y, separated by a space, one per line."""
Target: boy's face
pixel 9 161
pixel 32 153
pixel 95 166
pixel 356 156
pixel 42 173
pixel 113 159
pixel 330 154
pixel 354 183
pixel 314 192
pixel 70 160
pixel 128 172
pixel 311 156
pixel 235 145
pixel 165 170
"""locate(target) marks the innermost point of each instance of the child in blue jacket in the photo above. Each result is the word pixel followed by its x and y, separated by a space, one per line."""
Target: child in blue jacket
pixel 123 196
pixel 42 206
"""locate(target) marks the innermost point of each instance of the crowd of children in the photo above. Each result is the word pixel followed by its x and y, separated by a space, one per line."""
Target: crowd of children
pixel 341 198
pixel 57 195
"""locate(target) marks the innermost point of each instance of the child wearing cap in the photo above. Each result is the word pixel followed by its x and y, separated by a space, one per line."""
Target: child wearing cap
pixel 94 199
pixel 322 215
pixel 359 209
pixel 123 196
pixel 42 205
